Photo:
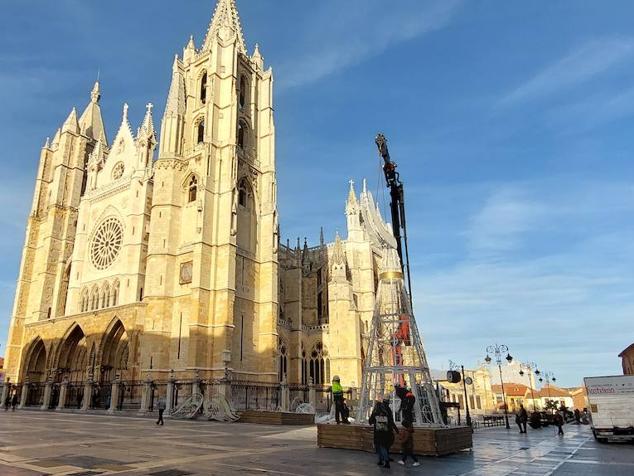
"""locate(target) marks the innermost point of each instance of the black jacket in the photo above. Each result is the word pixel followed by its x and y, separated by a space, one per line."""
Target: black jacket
pixel 383 422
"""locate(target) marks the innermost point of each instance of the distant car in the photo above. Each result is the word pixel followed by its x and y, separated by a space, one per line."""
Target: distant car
pixel 546 418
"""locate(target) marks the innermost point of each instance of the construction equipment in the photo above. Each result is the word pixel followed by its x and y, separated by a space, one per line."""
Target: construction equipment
pixel 396 357
pixel 397 207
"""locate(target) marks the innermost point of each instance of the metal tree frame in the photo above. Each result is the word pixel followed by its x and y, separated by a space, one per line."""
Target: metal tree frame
pixel 395 351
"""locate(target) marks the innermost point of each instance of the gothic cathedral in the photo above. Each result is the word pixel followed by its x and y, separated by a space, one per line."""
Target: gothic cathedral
pixel 147 258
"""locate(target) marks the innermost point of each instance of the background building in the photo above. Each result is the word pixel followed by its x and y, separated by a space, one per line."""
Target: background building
pixel 480 394
pixel 627 359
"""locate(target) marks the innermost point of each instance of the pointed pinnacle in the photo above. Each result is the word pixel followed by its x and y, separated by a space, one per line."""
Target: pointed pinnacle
pixel 95 94
pixel 71 122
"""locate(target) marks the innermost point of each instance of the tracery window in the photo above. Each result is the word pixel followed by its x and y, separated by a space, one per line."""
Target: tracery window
pixel 319 364
pixel 94 299
pixel 84 300
pixel 102 299
pixel 106 243
pixel 242 134
pixel 117 171
pixel 105 295
pixel 243 92
pixel 200 132
pixel 243 194
pixel 114 296
pixel 203 88
pixel 193 189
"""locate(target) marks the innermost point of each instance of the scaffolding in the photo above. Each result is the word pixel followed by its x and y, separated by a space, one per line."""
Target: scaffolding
pixel 395 354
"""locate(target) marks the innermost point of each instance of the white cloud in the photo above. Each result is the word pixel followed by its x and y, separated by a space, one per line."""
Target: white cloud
pixel 548 270
pixel 592 111
pixel 584 63
pixel 500 223
pixel 360 31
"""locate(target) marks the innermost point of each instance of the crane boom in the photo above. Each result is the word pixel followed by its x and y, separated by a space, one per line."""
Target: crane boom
pixel 397 206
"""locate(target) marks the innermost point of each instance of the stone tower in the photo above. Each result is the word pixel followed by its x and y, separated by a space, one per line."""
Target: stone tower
pixel 50 234
pixel 211 286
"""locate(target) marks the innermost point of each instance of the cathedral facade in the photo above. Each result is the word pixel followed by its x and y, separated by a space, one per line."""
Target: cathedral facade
pixel 159 254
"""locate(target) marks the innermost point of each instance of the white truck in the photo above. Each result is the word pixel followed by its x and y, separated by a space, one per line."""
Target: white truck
pixel 611 401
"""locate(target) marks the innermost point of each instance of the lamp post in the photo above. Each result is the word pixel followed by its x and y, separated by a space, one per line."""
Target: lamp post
pixel 498 350
pixel 453 366
pixel 531 367
pixel 549 377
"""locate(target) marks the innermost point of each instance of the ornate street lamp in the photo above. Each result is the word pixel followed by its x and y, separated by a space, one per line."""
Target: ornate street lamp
pixel 549 377
pixel 530 367
pixel 498 350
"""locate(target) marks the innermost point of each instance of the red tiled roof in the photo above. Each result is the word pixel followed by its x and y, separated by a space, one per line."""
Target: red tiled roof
pixel 549 391
pixel 510 389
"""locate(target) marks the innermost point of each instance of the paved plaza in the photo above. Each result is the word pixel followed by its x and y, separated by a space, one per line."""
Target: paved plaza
pixel 64 443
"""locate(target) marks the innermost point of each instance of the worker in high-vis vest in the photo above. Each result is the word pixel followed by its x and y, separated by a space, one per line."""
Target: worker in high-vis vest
pixel 337 397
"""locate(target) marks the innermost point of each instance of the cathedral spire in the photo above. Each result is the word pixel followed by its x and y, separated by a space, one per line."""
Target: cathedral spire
pixel 147 126
pixel 190 44
pixel 338 253
pixel 189 52
pixel 257 57
pixel 91 122
pixel 95 94
pixel 225 22
pixel 176 97
pixel 55 141
pixel 71 124
pixel 124 135
pixel 351 204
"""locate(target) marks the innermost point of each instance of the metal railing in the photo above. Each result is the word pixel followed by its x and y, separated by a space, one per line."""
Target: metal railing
pixel 255 396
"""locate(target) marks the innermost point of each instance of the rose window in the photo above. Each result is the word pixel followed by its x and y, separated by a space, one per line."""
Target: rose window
pixel 117 172
pixel 106 244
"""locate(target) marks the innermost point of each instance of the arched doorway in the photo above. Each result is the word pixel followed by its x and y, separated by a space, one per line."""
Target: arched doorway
pixel 35 364
pixel 35 373
pixel 115 353
pixel 73 356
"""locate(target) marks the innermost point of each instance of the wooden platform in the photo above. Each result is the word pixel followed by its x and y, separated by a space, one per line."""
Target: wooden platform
pixel 427 441
pixel 276 418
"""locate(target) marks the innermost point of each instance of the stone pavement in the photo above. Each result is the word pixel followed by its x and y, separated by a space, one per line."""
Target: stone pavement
pixel 63 443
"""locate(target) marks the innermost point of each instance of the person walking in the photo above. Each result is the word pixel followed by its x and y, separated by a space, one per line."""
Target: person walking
pixel 558 420
pixel 384 428
pixel 161 409
pixel 577 417
pixel 407 443
pixel 407 402
pixel 337 397
pixel 14 401
pixel 521 418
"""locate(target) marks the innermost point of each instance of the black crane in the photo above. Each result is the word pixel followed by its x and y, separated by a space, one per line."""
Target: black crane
pixel 397 206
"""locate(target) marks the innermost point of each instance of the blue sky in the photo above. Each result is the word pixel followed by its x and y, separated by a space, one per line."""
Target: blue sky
pixel 511 123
